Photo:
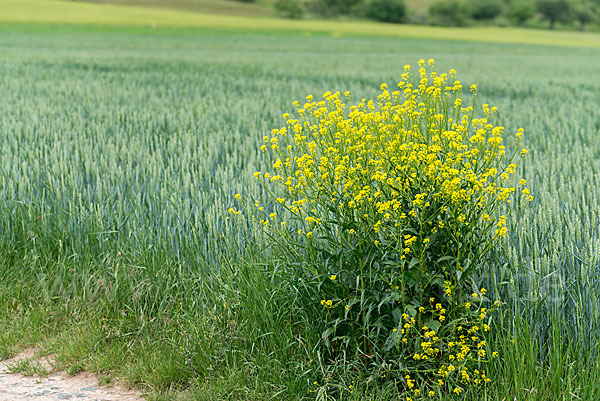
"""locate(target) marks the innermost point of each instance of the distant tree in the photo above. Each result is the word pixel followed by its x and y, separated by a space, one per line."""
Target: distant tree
pixel 485 9
pixel 386 10
pixel 584 13
pixel 331 8
pixel 292 9
pixel 342 6
pixel 521 10
pixel 554 10
pixel 450 12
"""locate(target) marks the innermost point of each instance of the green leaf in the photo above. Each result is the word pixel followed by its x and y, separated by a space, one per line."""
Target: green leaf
pixel 413 262
pixel 392 296
pixel 438 281
pixel 434 325
pixel 325 336
pixel 411 310
pixel 327 333
pixel 392 340
pixel 445 258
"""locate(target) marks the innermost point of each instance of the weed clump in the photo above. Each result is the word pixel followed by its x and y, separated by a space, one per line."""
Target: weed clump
pixel 383 212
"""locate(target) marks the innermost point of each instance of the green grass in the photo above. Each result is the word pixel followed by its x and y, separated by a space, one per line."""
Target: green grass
pixel 68 12
pixel 28 367
pixel 121 149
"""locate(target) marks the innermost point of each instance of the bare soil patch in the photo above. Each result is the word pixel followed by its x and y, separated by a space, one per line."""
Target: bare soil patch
pixel 39 381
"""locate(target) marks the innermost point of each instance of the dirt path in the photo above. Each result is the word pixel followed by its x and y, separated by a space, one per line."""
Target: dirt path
pixel 56 386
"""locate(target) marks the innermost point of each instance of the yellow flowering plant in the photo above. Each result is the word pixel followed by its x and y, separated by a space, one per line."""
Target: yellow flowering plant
pixel 387 209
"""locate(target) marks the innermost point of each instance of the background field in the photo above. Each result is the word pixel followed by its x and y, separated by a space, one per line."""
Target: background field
pixel 109 15
pixel 231 7
pixel 226 7
pixel 121 149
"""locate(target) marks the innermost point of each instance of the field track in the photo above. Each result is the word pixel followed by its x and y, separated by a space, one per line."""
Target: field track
pixel 55 386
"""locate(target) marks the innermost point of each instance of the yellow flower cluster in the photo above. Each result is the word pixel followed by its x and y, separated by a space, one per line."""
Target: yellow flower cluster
pixel 458 355
pixel 415 154
pixel 412 187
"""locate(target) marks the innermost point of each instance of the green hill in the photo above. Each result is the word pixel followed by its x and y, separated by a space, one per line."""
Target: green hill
pixel 232 7
pixel 227 7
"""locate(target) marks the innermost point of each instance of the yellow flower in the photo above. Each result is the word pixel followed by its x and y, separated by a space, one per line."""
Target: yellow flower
pixel 332 277
pixel 519 133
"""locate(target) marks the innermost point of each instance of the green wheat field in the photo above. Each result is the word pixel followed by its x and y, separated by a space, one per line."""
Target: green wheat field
pixel 122 147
